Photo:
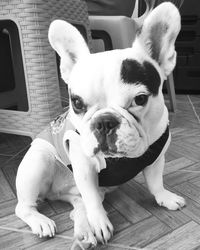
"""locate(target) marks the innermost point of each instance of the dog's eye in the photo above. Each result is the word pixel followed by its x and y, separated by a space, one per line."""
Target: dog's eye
pixel 141 100
pixel 78 104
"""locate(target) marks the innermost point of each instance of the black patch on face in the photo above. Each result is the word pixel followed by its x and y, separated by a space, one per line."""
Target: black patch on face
pixel 133 72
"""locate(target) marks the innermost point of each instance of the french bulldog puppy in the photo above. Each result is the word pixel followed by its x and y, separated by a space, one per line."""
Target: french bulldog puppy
pixel 116 126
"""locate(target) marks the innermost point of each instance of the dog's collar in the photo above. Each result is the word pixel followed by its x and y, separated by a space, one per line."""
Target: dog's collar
pixel 121 170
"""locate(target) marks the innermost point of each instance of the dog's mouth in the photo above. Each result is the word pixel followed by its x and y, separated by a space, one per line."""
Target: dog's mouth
pixel 114 146
pixel 109 149
pixel 106 146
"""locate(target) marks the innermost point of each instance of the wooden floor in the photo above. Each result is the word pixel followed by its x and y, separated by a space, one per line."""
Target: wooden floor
pixel 139 222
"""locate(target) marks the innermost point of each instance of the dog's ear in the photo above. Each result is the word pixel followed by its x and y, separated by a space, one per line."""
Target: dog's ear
pixel 158 35
pixel 67 41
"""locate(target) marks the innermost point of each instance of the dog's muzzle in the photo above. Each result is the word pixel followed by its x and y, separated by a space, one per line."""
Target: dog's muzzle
pixel 104 128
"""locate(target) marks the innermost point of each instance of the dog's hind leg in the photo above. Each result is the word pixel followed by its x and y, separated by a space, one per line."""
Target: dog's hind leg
pixel 33 179
pixel 154 178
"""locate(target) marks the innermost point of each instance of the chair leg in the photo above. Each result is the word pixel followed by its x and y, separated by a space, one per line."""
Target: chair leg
pixel 171 92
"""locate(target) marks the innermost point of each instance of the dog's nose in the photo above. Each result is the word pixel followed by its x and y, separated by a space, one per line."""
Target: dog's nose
pixel 106 124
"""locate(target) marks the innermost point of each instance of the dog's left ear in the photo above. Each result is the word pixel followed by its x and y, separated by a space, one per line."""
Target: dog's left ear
pixel 67 41
pixel 158 35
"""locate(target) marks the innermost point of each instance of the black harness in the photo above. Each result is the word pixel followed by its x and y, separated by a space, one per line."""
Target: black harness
pixel 121 170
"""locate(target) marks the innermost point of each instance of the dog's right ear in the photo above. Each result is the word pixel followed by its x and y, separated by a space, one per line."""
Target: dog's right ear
pixel 67 41
pixel 158 34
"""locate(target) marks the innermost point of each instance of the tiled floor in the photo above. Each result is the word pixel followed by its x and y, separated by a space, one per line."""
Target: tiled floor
pixel 139 222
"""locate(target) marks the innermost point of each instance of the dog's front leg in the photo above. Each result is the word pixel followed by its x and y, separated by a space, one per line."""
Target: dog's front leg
pixel 82 231
pixel 86 178
pixel 154 178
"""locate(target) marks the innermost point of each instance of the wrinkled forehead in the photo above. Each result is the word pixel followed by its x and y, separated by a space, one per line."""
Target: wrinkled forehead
pixel 126 67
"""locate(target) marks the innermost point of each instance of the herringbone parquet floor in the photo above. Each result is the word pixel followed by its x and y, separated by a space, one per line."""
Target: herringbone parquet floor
pixel 139 222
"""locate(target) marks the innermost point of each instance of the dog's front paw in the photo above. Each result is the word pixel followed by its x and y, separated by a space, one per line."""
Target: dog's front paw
pixel 100 225
pixel 170 200
pixel 81 245
pixel 83 235
pixel 42 225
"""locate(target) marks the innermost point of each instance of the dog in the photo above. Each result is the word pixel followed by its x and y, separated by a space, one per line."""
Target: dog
pixel 116 126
